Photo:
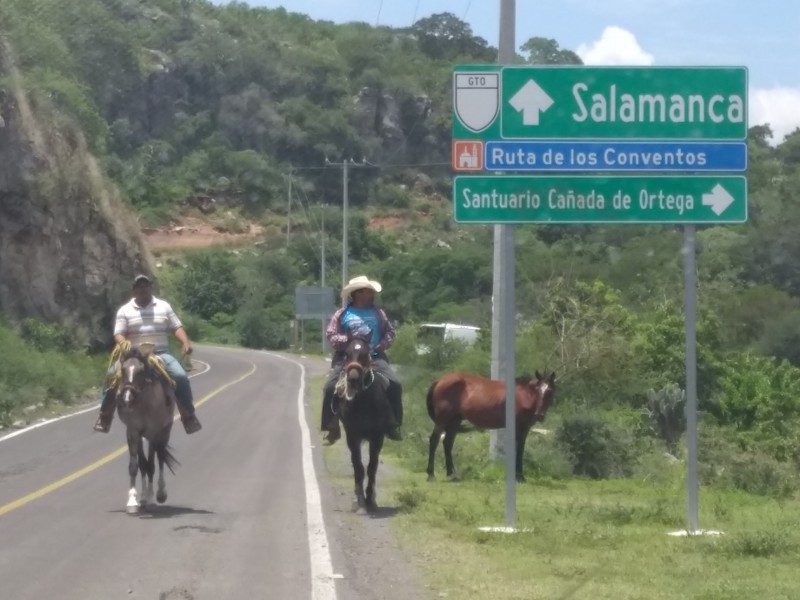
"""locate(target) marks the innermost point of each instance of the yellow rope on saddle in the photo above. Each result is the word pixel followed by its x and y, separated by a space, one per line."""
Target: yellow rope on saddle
pixel 341 385
pixel 115 363
pixel 158 365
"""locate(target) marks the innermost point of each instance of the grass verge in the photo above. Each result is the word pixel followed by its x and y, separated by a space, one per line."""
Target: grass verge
pixel 578 538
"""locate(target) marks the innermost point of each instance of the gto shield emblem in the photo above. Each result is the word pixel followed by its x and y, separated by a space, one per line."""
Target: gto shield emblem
pixel 477 98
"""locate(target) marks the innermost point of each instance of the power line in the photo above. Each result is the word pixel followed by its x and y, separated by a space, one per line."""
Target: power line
pixel 414 18
pixel 378 18
pixel 374 166
pixel 406 166
pixel 466 10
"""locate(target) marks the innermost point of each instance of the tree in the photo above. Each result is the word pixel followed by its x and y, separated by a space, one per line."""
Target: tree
pixel 209 286
pixel 544 51
pixel 444 36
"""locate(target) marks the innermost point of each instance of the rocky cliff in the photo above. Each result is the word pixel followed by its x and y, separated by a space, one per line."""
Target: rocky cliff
pixel 68 245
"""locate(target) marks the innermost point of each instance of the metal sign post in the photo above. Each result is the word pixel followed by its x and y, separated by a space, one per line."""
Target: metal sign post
pixel 674 135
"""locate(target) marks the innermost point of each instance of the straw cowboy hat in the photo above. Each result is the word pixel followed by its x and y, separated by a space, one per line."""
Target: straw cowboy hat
pixel 360 283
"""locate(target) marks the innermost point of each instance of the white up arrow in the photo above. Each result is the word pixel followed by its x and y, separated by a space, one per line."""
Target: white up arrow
pixel 719 199
pixel 530 100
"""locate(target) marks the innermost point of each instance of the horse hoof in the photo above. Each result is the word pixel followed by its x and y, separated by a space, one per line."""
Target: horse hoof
pixel 132 510
pixel 431 478
pixel 161 497
pixel 521 479
pixel 453 477
pixel 372 508
pixel 362 511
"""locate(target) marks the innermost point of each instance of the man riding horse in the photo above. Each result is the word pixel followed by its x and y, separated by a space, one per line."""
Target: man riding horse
pixel 146 318
pixel 361 318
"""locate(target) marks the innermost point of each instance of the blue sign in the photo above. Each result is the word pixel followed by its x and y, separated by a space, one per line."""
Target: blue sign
pixel 615 156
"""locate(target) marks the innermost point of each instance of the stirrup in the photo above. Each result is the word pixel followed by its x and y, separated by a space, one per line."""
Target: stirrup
pixel 191 424
pixel 334 432
pixel 395 434
pixel 103 424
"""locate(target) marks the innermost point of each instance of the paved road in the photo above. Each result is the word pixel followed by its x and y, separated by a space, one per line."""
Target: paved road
pixel 245 517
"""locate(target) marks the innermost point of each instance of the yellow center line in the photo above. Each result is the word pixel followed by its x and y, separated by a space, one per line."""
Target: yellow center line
pixel 7 508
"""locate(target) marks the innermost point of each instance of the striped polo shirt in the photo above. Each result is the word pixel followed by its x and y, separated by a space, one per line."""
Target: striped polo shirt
pixel 151 323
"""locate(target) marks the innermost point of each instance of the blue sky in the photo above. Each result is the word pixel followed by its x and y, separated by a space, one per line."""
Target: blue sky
pixel 762 35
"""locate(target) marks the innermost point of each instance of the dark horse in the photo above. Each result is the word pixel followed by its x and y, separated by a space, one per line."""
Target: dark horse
pixel 481 401
pixel 146 404
pixel 364 411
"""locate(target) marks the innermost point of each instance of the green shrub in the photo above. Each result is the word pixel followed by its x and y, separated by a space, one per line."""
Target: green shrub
pixel 727 459
pixel 666 414
pixel 263 328
pixel 546 457
pixel 763 475
pixel 761 544
pixel 392 195
pixel 29 376
pixel 596 449
pixel 47 336
pixel 194 326
pixel 221 319
pixel 6 405
pixel 208 285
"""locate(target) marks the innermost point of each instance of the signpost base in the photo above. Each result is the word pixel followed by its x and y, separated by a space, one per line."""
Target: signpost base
pixel 505 529
pixel 696 533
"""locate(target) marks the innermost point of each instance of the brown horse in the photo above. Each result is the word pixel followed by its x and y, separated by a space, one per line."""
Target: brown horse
pixel 481 401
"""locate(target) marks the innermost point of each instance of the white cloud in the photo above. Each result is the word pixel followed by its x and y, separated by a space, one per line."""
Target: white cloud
pixel 616 46
pixel 779 107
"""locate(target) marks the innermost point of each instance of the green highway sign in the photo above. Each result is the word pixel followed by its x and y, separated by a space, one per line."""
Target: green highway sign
pixel 493 102
pixel 592 199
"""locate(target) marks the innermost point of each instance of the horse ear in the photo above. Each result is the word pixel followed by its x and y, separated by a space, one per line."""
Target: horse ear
pixel 538 375
pixel 552 378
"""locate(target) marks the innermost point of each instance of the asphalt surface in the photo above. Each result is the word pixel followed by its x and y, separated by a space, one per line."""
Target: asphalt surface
pixel 249 513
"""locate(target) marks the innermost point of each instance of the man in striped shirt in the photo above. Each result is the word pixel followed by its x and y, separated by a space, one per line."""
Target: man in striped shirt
pixel 149 319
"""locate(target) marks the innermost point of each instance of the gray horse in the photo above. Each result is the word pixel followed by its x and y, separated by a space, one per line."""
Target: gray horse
pixel 146 404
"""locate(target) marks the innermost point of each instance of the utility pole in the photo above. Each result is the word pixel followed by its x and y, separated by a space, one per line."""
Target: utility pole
pixel 289 211
pixel 346 164
pixel 503 298
pixel 322 265
pixel 322 269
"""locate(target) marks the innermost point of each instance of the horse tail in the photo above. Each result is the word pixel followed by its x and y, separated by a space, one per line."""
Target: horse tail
pixel 429 401
pixel 165 452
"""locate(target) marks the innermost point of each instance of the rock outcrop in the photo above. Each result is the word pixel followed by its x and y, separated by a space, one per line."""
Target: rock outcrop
pixel 68 245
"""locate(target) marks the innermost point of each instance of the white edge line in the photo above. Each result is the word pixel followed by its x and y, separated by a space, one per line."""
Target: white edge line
pixel 83 411
pixel 323 585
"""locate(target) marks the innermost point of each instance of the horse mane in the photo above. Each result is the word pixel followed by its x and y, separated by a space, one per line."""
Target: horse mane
pixel 523 379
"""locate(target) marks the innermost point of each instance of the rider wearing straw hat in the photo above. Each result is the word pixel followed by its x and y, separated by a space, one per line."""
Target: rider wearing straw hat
pixel 360 317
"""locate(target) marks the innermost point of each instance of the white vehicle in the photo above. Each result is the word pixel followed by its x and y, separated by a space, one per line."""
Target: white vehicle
pixel 427 333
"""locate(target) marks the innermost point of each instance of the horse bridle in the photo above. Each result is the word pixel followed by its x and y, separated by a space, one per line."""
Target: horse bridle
pixel 362 372
pixel 130 386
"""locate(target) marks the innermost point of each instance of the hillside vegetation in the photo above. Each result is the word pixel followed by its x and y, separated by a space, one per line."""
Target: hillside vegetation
pixel 212 111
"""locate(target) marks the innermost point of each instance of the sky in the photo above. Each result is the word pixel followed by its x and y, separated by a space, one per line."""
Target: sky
pixel 762 35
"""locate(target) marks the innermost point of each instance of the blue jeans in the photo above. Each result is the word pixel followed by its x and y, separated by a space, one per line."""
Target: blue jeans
pixel 183 390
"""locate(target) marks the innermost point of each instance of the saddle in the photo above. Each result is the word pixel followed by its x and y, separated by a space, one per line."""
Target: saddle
pixel 155 369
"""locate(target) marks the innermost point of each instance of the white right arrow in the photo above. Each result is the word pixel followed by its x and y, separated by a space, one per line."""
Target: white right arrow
pixel 530 100
pixel 719 199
